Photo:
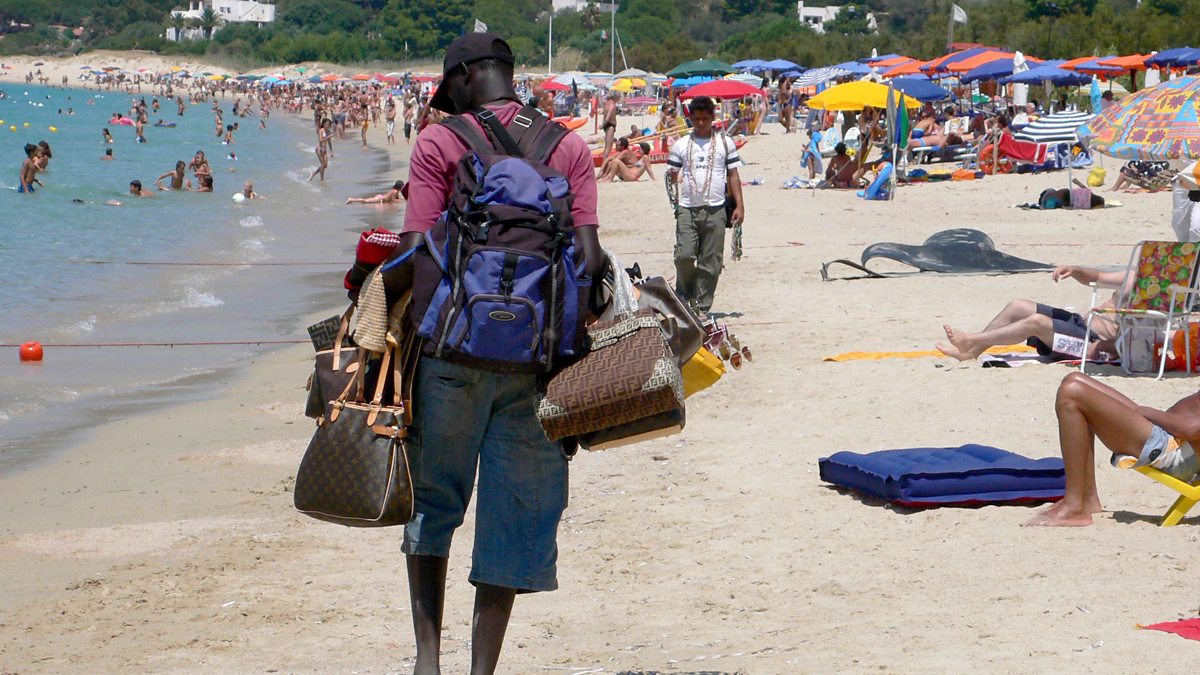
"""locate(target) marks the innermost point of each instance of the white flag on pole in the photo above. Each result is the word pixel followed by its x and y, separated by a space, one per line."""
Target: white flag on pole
pixel 960 14
pixel 480 27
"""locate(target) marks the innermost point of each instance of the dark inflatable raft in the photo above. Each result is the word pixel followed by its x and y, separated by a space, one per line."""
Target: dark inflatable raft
pixel 958 251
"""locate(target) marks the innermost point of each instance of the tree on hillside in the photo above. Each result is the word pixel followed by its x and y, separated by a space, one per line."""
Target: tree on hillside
pixel 851 20
pixel 210 19
pixel 176 23
pixel 426 25
pixel 591 15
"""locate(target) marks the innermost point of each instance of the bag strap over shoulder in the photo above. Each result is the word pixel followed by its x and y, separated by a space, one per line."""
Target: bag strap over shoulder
pixel 530 134
pixel 467 134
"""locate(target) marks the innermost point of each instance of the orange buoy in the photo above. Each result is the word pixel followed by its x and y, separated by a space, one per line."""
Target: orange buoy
pixel 31 351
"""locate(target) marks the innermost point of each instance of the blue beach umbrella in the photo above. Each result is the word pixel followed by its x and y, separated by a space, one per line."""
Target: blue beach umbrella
pixel 791 73
pixel 782 64
pixel 1167 58
pixel 854 68
pixel 1051 74
pixel 992 70
pixel 749 64
pixel 941 65
pixel 921 89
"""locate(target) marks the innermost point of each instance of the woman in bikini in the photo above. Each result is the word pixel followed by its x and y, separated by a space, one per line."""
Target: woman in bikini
pixel 393 195
pixel 628 165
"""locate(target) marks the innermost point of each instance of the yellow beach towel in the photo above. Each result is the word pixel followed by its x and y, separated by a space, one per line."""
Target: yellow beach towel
pixel 876 356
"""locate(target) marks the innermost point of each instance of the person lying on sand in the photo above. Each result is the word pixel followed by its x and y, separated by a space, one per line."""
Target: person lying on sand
pixel 1055 332
pixel 628 164
pixel 1137 436
pixel 395 194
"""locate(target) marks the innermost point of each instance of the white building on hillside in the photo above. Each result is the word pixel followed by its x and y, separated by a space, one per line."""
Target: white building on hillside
pixel 230 11
pixel 815 17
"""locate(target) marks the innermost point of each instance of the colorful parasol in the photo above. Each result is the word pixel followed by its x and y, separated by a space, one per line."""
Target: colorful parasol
pixel 1159 123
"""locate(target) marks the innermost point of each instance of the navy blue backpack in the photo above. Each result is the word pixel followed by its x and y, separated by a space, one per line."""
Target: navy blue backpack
pixel 497 285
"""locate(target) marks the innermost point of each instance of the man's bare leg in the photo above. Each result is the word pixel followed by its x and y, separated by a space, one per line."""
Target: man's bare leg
pixel 1088 410
pixel 493 607
pixel 427 591
pixel 1014 311
pixel 967 346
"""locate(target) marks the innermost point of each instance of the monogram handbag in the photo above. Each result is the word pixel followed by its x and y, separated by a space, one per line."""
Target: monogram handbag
pixel 335 363
pixel 629 374
pixel 355 471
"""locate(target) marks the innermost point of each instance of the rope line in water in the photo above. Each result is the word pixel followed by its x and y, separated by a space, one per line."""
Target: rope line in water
pixel 186 263
pixel 213 343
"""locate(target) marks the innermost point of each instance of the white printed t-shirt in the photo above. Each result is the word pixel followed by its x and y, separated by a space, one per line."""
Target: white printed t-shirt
pixel 691 156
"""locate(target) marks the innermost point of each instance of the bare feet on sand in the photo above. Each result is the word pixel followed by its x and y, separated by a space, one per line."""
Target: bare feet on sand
pixel 961 345
pixel 1064 515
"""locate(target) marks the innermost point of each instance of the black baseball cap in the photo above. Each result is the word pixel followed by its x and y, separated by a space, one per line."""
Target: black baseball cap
pixel 466 49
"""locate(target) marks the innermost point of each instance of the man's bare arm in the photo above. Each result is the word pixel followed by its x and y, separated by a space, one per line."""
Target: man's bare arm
pixel 1181 420
pixel 1087 275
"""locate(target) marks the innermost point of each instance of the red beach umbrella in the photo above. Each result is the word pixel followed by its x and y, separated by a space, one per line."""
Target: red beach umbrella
pixel 722 89
pixel 551 85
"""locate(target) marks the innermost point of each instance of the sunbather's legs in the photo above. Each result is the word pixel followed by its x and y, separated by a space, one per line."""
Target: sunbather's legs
pixel 967 346
pixel 1014 311
pixel 1088 410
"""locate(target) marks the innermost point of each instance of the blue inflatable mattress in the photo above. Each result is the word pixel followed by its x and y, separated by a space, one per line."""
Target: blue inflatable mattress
pixel 967 475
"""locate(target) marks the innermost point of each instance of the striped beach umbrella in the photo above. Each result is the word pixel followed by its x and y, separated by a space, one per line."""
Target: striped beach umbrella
pixel 1060 127
pixel 820 75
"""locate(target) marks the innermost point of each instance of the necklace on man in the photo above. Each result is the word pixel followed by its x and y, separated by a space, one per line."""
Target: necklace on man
pixel 712 155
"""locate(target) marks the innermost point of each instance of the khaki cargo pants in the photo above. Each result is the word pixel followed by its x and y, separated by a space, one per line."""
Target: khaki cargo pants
pixel 699 246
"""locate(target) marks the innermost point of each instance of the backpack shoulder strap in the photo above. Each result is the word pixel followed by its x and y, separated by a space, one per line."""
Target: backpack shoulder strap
pixel 496 132
pixel 467 134
pixel 547 141
pixel 525 127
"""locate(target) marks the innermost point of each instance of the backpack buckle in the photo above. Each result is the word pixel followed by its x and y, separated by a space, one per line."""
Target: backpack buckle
pixel 522 121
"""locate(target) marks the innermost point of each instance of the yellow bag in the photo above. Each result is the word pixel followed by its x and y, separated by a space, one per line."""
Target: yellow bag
pixel 701 372
pixel 1096 177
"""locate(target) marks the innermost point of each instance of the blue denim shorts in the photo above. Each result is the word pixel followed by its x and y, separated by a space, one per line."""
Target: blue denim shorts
pixel 464 420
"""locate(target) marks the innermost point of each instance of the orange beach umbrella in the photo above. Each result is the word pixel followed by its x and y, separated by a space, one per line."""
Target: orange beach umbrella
pixel 1130 62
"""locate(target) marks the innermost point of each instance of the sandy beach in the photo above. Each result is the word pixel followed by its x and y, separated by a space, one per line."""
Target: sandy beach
pixel 168 542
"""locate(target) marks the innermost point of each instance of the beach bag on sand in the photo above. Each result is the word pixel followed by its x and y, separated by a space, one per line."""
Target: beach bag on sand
pixel 496 285
pixel 355 471
pixel 1139 345
pixel 627 389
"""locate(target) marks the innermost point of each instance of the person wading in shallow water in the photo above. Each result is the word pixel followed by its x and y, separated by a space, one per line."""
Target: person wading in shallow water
pixel 467 418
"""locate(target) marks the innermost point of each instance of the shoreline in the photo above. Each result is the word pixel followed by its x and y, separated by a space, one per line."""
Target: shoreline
pixel 167 542
pixel 46 435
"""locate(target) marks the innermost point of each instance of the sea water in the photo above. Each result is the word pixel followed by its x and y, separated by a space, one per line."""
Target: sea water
pixel 177 267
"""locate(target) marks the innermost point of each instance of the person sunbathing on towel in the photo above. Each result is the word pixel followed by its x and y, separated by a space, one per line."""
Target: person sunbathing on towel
pixel 1056 333
pixel 1137 436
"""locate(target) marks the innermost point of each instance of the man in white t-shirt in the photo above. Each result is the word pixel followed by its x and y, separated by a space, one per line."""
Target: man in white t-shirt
pixel 1185 216
pixel 704 162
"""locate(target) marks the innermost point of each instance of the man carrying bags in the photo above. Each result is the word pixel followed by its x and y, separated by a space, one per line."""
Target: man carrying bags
pixel 706 163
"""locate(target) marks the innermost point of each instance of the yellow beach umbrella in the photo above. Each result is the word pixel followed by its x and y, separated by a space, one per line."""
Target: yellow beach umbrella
pixel 216 77
pixel 622 86
pixel 176 69
pixel 858 95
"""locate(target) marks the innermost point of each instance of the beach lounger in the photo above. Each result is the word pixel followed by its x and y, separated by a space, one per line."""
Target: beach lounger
pixel 1160 297
pixel 1189 494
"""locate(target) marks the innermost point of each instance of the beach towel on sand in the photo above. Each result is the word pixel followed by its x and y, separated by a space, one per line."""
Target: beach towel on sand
pixel 1187 628
pixel 964 476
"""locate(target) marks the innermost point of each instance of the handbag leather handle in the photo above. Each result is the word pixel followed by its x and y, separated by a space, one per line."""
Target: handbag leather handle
pixel 343 328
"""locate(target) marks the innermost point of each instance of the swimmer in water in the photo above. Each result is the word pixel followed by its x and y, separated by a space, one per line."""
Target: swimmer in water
pixel 29 169
pixel 177 175
pixel 249 193
pixel 107 137
pixel 135 189
pixel 206 183
pixel 108 156
pixel 393 195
